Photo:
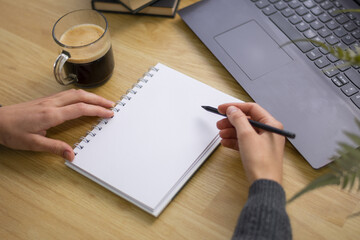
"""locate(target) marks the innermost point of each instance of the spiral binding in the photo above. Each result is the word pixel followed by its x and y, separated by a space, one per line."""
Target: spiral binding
pixel 119 104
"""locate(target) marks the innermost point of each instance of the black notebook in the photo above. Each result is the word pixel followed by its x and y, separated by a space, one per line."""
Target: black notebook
pixel 159 136
pixel 162 8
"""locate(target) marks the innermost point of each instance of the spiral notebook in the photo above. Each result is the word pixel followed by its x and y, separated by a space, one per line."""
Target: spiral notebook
pixel 159 136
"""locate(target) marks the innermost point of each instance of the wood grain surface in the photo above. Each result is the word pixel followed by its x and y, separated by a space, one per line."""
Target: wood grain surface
pixel 40 198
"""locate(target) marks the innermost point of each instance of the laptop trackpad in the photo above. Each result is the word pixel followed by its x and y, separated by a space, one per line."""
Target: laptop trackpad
pixel 252 49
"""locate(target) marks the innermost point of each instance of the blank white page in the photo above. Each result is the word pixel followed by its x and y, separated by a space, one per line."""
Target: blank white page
pixel 155 138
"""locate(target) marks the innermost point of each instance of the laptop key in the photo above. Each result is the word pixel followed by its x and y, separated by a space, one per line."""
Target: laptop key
pixel 295 19
pixel 332 40
pixel 342 66
pixel 302 26
pixel 309 18
pixel 309 4
pixel 262 3
pixel 269 10
pixel 337 4
pixel 324 51
pixel 317 11
pixel 314 54
pixel 342 46
pixel 349 89
pixel 331 71
pixel 350 26
pixel 340 32
pixel 348 39
pixel 326 5
pixel 290 32
pixel 280 5
pixel 336 81
pixel 334 12
pixel 342 79
pixel 351 16
pixel 301 11
pixel 332 58
pixel 325 17
pixel 324 32
pixel 353 76
pixel 316 25
pixel 355 46
pixel 342 19
pixel 332 25
pixel 310 33
pixel 321 62
pixel 287 12
pixel 356 99
pixel 294 4
pixel 318 39
pixel 356 33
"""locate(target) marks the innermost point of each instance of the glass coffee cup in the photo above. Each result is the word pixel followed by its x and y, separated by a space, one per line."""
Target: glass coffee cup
pixel 86 58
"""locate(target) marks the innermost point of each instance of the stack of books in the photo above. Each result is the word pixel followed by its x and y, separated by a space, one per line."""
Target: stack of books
pixel 163 8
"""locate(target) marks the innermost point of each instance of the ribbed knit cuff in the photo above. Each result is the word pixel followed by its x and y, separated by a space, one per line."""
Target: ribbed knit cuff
pixel 270 192
pixel 264 215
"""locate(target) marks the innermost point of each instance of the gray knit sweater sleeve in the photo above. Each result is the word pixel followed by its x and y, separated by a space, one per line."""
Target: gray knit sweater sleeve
pixel 264 215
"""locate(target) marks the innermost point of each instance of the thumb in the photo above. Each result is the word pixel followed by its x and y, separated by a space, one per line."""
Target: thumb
pixel 239 120
pixel 44 144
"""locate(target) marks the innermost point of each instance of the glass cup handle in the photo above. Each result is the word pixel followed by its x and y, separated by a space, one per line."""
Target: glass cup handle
pixel 60 76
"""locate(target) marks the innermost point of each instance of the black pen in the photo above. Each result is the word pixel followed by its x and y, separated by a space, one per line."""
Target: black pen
pixel 256 124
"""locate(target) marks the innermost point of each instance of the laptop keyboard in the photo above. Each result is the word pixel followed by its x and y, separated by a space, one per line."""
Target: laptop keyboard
pixel 319 20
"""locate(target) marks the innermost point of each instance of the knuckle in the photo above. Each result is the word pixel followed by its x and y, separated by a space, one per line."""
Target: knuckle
pixel 45 103
pixel 237 116
pixel 253 105
pixel 82 107
pixel 71 91
pixel 47 114
pixel 82 94
pixel 278 124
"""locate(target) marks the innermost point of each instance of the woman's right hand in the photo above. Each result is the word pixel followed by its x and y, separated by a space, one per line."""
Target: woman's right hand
pixel 261 151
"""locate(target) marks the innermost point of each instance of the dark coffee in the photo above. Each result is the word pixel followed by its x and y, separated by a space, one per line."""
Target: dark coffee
pixel 91 60
pixel 93 73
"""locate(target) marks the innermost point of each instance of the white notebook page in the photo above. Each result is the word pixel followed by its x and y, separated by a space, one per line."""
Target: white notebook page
pixel 155 138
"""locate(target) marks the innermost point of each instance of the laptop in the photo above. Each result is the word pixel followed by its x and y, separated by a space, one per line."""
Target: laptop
pixel 297 83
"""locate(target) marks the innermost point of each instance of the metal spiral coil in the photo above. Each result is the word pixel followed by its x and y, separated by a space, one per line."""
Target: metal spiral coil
pixel 120 103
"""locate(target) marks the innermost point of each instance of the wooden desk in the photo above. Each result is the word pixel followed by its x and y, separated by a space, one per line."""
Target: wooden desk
pixel 40 198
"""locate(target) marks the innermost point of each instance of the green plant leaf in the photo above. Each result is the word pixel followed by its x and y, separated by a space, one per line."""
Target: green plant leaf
pixel 352 181
pixel 358 176
pixel 349 56
pixel 324 180
pixel 348 10
pixel 345 181
pixel 355 138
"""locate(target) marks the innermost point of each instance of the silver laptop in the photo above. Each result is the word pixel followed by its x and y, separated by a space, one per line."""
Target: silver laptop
pixel 297 83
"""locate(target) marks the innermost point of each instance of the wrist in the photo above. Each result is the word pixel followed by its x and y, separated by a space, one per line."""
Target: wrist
pixel 266 175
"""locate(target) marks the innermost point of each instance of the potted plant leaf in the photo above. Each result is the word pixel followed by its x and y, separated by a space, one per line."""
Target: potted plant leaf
pixel 344 171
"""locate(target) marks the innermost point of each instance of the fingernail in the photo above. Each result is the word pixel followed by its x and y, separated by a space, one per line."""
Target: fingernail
pixel 111 112
pixel 231 109
pixel 67 155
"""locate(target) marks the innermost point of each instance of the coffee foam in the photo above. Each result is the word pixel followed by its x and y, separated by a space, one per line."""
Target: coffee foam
pixel 81 35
